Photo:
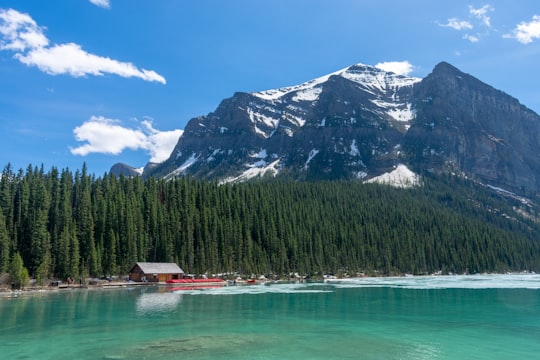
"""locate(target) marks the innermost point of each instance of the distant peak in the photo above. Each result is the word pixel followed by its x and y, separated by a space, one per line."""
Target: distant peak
pixel 445 67
pixel 444 64
pixel 363 66
pixel 360 73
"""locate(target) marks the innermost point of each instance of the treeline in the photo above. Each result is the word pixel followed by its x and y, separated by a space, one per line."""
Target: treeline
pixel 64 224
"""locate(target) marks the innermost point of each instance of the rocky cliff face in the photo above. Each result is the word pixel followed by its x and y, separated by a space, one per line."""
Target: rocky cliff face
pixel 465 126
pixel 362 122
pixel 344 125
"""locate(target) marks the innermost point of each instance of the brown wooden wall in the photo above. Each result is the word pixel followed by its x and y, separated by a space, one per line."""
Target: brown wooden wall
pixel 137 275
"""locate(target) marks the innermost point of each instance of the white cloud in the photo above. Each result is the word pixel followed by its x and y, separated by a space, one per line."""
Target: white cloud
pixel 471 38
pixel 106 4
pixel 481 14
pixel 21 34
pixel 160 143
pixel 457 24
pixel 526 32
pixel 108 136
pixel 71 59
pixel 398 67
pixel 477 18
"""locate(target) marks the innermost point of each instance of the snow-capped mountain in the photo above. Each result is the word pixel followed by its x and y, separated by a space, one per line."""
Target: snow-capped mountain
pixel 289 130
pixel 362 122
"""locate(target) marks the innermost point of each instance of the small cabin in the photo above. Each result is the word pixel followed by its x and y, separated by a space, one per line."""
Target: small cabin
pixel 155 272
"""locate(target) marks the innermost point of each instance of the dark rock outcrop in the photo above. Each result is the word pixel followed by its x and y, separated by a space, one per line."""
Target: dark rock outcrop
pixel 125 170
pixel 466 126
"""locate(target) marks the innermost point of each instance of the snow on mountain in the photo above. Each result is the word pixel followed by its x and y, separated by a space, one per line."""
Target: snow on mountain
pixel 360 97
pixel 312 154
pixel 376 79
pixel 257 169
pixel 384 89
pixel 307 89
pixel 182 168
pixel 401 176
pixel 369 77
pixel 359 122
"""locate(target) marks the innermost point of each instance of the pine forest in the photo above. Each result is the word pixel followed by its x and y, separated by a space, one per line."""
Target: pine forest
pixel 60 224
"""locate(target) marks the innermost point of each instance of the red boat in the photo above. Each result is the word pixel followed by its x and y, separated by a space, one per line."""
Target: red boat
pixel 194 287
pixel 197 282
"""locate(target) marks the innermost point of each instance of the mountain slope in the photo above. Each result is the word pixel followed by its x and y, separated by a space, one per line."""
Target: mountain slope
pixel 464 125
pixel 337 126
pixel 360 123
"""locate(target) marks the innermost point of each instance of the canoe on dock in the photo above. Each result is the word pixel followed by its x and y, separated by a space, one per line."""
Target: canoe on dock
pixel 214 282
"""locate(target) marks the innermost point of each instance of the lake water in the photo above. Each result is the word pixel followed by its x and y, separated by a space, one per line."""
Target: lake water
pixel 449 317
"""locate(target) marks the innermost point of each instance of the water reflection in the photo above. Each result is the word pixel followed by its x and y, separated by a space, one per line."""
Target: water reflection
pixel 158 302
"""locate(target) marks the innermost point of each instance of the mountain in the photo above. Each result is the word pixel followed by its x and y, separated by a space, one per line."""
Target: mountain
pixel 342 125
pixel 120 169
pixel 463 125
pixel 365 123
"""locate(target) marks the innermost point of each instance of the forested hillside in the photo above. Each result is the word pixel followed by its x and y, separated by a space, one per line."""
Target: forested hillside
pixel 72 224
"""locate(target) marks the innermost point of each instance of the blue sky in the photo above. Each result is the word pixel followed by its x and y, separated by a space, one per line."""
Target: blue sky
pixel 107 81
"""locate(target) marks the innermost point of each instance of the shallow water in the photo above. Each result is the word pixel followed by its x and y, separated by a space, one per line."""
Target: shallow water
pixel 472 317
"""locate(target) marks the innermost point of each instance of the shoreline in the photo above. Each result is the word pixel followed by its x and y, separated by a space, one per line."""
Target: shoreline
pixel 8 293
pixel 32 290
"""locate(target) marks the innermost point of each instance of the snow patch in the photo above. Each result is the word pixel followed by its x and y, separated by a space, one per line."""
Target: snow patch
pixel 288 131
pixel 259 131
pixel 500 189
pixel 308 94
pixel 365 75
pixel 259 168
pixel 404 115
pixel 214 153
pixel 311 155
pixel 402 112
pixel 260 155
pixel 256 117
pixel 354 149
pixel 310 85
pixel 182 168
pixel 377 79
pixel 361 175
pixel 401 176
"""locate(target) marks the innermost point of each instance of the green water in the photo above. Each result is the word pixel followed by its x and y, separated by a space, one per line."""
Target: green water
pixel 377 320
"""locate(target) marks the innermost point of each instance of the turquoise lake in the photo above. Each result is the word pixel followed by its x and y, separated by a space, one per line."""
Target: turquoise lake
pixel 439 317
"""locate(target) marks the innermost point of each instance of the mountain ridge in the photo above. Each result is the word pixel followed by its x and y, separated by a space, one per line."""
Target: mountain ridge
pixel 360 123
pixel 484 132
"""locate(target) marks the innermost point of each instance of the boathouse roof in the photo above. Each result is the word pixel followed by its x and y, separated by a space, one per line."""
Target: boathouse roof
pixel 159 268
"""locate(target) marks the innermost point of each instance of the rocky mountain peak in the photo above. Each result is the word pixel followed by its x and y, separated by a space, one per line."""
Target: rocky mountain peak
pixel 362 122
pixel 121 169
pixel 464 125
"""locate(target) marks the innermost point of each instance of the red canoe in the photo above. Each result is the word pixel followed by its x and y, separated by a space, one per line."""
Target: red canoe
pixel 197 282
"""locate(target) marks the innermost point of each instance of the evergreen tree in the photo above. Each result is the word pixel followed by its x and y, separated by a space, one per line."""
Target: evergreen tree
pixel 85 222
pixel 4 245
pixel 79 225
pixel 17 272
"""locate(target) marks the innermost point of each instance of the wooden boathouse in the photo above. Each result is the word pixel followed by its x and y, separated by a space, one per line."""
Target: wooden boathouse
pixel 155 272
